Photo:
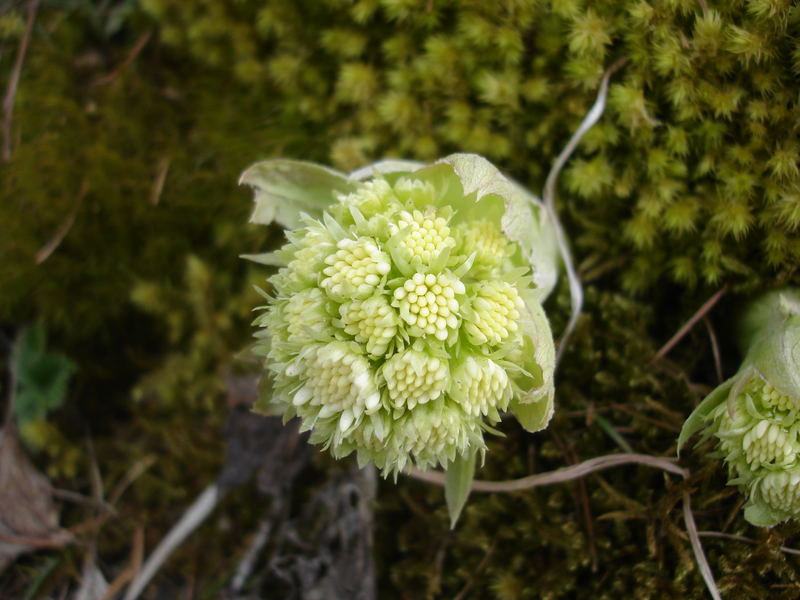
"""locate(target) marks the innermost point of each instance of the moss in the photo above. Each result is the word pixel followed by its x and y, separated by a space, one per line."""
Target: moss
pixel 701 117
pixel 690 181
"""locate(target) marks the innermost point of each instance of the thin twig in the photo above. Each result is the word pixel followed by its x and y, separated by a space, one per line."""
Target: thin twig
pixel 559 475
pixel 549 194
pixel 686 327
pixel 248 561
pixel 77 498
pixel 161 178
pixel 697 547
pixel 45 251
pixel 9 423
pixel 13 82
pixel 481 566
pixel 191 520
pixel 134 52
pixel 582 498
pixel 714 348
pixel 57 540
pixel 641 417
pixel 741 538
pixel 583 469
pixel 130 476
pixel 137 552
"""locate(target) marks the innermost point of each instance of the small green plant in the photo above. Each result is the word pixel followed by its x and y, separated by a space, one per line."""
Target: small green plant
pixel 755 415
pixel 42 377
pixel 406 314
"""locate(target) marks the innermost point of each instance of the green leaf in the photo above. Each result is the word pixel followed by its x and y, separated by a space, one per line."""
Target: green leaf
pixel 271 259
pixel 771 329
pixel 386 167
pixel 534 408
pixel 524 220
pixel 458 479
pixel 697 420
pixel 760 516
pixel 286 188
pixel 42 377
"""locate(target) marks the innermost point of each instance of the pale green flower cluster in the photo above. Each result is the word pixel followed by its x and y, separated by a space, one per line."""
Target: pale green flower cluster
pixel 403 322
pixel 755 415
pixel 758 439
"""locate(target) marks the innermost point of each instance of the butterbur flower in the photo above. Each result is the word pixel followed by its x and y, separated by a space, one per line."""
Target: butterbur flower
pixel 755 415
pixel 405 316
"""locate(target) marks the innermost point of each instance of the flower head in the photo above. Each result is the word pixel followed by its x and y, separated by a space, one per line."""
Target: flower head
pixel 404 319
pixel 755 415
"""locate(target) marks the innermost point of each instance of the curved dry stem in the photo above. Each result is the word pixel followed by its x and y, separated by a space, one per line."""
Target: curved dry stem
pixel 697 547
pixel 549 194
pixel 559 475
pixel 686 327
pixel 585 468
pixel 191 520
pixel 746 540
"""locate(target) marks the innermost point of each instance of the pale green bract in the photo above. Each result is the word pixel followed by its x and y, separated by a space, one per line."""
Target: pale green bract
pixel 755 415
pixel 406 315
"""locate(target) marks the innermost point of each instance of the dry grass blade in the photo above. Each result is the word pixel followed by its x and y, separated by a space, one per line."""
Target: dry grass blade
pixel 697 547
pixel 130 476
pixel 686 327
pixel 559 475
pixel 137 553
pixel 714 348
pixel 134 52
pixel 549 195
pixel 585 468
pixel 191 520
pixel 45 251
pixel 741 538
pixel 28 513
pixel 13 81
pixel 248 561
pixel 161 178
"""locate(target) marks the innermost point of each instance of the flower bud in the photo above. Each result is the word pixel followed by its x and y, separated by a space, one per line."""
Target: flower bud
pixel 755 415
pixel 403 319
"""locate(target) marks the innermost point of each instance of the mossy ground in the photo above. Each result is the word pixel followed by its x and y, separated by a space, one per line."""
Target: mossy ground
pixel 689 182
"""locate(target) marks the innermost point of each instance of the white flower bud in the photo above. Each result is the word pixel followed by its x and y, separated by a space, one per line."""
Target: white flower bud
pixel 355 270
pixel 429 304
pixel 481 387
pixel 306 316
pixel 425 234
pixel 780 492
pixel 372 322
pixel 769 443
pixel 380 330
pixel 490 246
pixel 414 377
pixel 494 313
pixel 338 379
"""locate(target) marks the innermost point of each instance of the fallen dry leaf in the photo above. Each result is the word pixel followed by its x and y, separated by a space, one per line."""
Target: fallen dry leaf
pixel 28 514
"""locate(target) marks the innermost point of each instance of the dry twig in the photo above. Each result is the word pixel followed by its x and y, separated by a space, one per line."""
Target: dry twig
pixel 741 538
pixel 13 81
pixel 686 327
pixel 549 195
pixel 135 51
pixel 45 251
pixel 581 470
pixel 714 348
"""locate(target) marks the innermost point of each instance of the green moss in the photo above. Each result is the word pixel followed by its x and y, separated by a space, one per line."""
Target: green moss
pixel 704 110
pixel 689 181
